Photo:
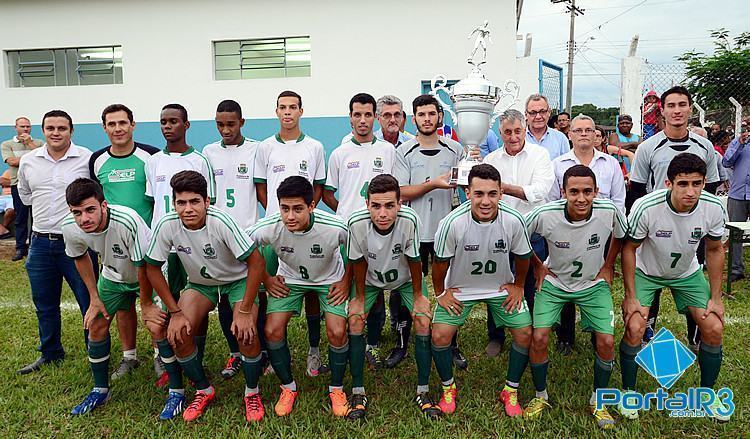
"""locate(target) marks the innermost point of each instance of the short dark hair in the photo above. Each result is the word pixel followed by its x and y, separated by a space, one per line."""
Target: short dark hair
pixel 383 183
pixel 189 181
pixel 563 112
pixel 229 106
pixel 578 171
pixel 677 89
pixel 423 100
pixel 179 107
pixel 81 189
pixel 685 163
pixel 57 113
pixel 289 94
pixel 485 172
pixel 295 186
pixel 364 99
pixel 552 121
pixel 114 108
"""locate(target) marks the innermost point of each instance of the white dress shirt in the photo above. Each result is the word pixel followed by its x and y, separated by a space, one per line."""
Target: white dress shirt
pixel 608 173
pixel 530 168
pixel 42 182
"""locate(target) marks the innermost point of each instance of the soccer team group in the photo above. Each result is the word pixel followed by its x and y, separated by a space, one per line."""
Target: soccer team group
pixel 195 240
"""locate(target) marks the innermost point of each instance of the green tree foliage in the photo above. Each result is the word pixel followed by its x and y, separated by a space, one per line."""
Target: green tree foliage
pixel 602 116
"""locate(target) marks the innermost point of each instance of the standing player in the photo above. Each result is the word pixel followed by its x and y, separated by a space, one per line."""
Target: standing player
pixel 120 169
pixel 383 250
pixel 291 152
pixel 473 247
pixel 351 166
pixel 219 260
pixel 308 242
pixel 664 229
pixel 423 167
pixel 233 159
pixel 576 229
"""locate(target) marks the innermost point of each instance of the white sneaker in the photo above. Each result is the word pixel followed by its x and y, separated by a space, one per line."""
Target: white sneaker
pixel 624 412
pixel 715 407
pixel 313 364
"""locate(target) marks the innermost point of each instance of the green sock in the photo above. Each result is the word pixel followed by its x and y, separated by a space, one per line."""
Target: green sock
pixel 709 359
pixel 602 372
pixel 174 371
pixel 357 359
pixel 313 330
pixel 253 369
pixel 517 360
pixel 443 362
pixel 423 356
pixel 338 357
pixel 539 375
pixel 194 370
pixel 281 360
pixel 628 366
pixel 99 361
pixel 200 344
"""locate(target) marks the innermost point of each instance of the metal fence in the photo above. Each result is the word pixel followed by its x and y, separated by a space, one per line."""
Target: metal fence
pixel 551 84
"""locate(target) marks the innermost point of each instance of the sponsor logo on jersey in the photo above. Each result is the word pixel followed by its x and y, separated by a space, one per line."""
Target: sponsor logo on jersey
pixel 242 168
pixel 372 255
pixel 562 244
pixel 121 175
pixel 303 166
pixel 286 249
pixel 352 165
pixel 117 252
pixel 161 178
pixel 317 251
pixel 218 172
pixel 209 252
pixel 186 250
pixel 663 233
pixel 471 247
pixel 278 168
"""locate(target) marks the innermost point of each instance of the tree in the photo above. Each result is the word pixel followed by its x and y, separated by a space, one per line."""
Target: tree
pixel 602 116
pixel 713 79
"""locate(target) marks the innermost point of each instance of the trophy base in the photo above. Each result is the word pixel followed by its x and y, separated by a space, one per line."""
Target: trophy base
pixel 460 173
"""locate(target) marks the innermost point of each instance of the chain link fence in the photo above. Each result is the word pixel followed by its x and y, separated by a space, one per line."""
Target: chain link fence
pixel 551 85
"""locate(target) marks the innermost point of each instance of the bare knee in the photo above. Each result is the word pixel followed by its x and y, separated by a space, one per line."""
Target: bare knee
pixel 711 330
pixel 422 325
pixel 605 346
pixel 357 324
pixel 99 329
pixel 274 330
pixel 540 340
pixel 441 336
pixel 522 336
pixel 336 330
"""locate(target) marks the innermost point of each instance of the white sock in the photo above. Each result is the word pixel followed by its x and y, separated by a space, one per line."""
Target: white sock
pixel 423 389
pixel 156 352
pixel 130 354
pixel 249 391
pixel 291 386
pixel 592 401
pixel 369 347
pixel 234 354
pixel 511 385
pixel 180 391
pixel 447 383
pixel 358 390
pixel 543 395
pixel 332 388
pixel 314 351
pixel 101 389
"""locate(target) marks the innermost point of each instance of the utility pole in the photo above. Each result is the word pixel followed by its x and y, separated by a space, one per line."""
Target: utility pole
pixel 573 10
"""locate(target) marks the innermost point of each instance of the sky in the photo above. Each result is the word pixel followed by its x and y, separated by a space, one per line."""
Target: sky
pixel 667 28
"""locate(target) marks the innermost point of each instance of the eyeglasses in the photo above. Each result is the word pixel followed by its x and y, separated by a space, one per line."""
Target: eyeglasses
pixel 581 131
pixel 398 115
pixel 533 114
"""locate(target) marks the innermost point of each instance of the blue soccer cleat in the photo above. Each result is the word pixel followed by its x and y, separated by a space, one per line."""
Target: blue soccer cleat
pixel 173 407
pixel 92 401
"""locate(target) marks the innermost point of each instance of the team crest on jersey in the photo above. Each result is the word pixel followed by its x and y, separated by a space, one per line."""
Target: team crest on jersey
pixel 209 252
pixel 593 242
pixel 278 168
pixel 317 251
pixel 697 233
pixel 186 250
pixel 117 252
pixel 663 233
pixel 353 165
pixel 285 249
pixel 499 246
pixel 371 255
pixel 121 175
pixel 303 166
pixel 242 168
pixel 471 247
pixel 378 162
pixel 397 250
pixel 562 244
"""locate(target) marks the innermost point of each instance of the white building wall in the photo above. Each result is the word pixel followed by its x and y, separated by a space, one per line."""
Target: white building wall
pixel 383 47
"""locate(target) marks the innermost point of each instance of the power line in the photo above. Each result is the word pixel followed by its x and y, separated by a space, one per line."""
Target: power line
pixel 613 18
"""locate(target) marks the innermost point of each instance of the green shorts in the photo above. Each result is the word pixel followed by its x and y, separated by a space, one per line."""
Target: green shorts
pixel 689 291
pixel 272 262
pixel 235 291
pixel 515 319
pixel 293 302
pixel 407 295
pixel 597 309
pixel 116 296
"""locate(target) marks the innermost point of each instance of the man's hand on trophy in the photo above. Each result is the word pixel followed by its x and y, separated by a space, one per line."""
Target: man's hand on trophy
pixel 475 154
pixel 443 182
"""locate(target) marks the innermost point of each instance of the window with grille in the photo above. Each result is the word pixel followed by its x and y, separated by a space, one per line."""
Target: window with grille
pixel 283 57
pixel 65 66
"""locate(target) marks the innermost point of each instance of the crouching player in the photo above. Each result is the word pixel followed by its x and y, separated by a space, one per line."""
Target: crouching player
pixel 576 229
pixel 308 244
pixel 473 246
pixel 218 259
pixel 383 251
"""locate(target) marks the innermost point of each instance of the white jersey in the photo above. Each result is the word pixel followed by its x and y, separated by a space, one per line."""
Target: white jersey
pixel 415 165
pixel 310 257
pixel 276 160
pixel 351 167
pixel 233 167
pixel 479 252
pixel 388 255
pixel 121 245
pixel 213 255
pixel 162 166
pixel 669 239
pixel 576 249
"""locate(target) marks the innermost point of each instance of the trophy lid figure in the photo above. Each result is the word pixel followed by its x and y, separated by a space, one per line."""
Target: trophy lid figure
pixel 483 36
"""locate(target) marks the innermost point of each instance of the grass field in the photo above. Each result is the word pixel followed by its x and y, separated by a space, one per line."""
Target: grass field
pixel 38 405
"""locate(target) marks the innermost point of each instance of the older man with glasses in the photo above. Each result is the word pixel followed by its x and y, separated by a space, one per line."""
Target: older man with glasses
pixel 537 132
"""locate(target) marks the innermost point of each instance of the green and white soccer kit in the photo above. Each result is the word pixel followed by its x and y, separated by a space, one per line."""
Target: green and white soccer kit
pixel 123 178
pixel 669 240
pixel 161 167
pixel 415 165
pixel 309 261
pixel 213 256
pixel 387 255
pixel 121 247
pixel 351 167
pixel 277 160
pixel 479 255
pixel 233 167
pixel 576 254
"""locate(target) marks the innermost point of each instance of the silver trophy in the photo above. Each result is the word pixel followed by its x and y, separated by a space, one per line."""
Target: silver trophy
pixel 477 103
